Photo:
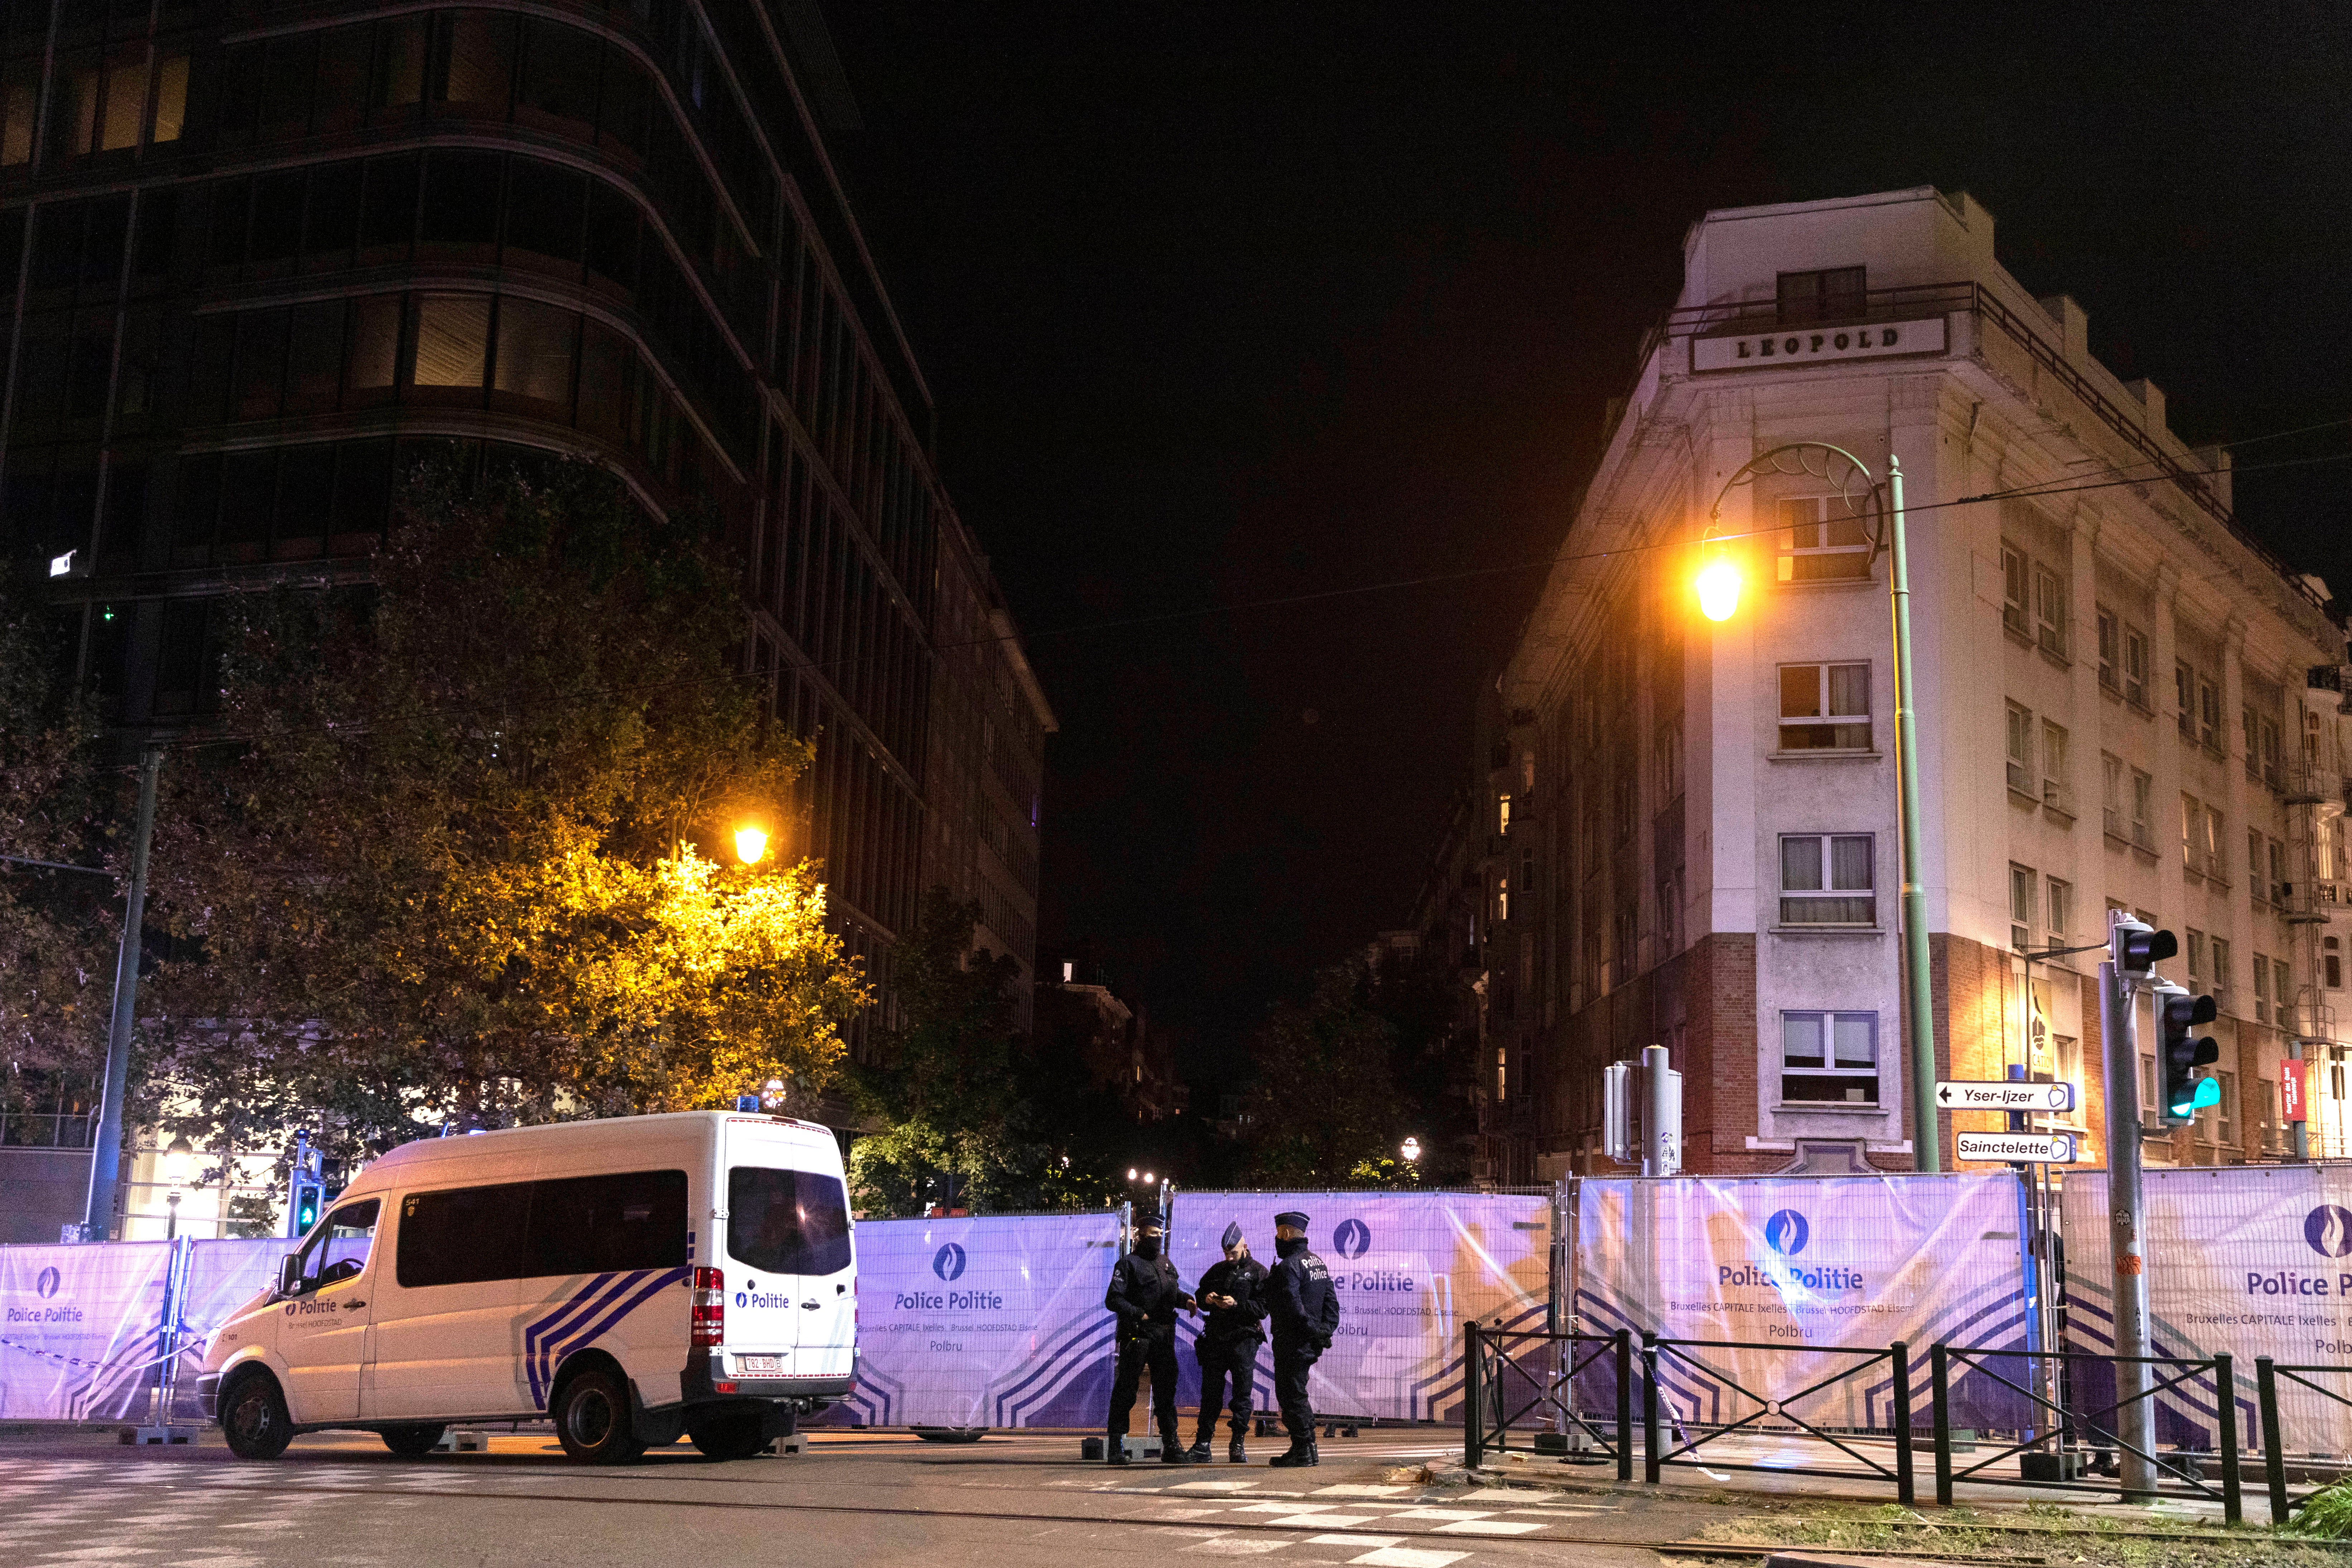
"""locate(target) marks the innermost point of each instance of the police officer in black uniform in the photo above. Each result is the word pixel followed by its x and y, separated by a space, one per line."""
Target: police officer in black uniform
pixel 1306 1313
pixel 1146 1296
pixel 1233 1295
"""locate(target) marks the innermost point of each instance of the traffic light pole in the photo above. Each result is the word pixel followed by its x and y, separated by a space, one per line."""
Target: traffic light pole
pixel 2135 1422
pixel 106 1148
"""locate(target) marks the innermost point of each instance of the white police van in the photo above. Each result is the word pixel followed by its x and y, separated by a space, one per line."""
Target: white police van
pixel 631 1280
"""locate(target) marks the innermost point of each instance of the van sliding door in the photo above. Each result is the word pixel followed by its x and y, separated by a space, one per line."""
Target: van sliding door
pixel 791 1230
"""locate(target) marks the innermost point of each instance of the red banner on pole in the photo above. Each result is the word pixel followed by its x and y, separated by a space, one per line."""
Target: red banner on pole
pixel 2293 1083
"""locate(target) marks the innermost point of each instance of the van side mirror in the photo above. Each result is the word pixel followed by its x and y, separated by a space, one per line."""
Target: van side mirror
pixel 289 1274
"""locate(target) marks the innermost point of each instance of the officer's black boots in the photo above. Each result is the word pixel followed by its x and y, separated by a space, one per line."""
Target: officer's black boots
pixel 1172 1452
pixel 1200 1454
pixel 1115 1452
pixel 1299 1454
pixel 1235 1452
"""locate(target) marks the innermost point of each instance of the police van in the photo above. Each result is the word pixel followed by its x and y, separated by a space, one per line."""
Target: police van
pixel 631 1280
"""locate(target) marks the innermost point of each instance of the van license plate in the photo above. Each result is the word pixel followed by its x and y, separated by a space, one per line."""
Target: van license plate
pixel 759 1363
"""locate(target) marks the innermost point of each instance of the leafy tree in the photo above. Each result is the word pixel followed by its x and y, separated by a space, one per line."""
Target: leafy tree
pixel 1324 1100
pixel 57 929
pixel 446 862
pixel 962 1104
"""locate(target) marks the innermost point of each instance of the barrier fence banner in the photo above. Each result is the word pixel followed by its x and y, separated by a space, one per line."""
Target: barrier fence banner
pixel 1811 1263
pixel 993 1321
pixel 81 1329
pixel 1409 1268
pixel 219 1277
pixel 2255 1261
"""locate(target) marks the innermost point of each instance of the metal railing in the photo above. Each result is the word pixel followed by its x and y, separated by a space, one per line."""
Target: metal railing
pixel 2085 1426
pixel 1508 1374
pixel 2267 1376
pixel 1656 1456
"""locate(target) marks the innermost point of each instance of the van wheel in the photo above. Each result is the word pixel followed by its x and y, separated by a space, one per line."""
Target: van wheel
pixel 592 1419
pixel 412 1442
pixel 738 1434
pixel 254 1418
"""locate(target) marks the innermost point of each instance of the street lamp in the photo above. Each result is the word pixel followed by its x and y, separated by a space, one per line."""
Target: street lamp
pixel 1411 1150
pixel 176 1160
pixel 1719 595
pixel 751 844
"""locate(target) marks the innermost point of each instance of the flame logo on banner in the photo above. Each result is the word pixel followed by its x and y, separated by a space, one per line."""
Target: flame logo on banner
pixel 1352 1240
pixel 2328 1229
pixel 947 1264
pixel 1786 1232
pixel 46 1286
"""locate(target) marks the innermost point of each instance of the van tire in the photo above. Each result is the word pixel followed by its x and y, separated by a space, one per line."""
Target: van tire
pixel 736 1435
pixel 592 1418
pixel 412 1442
pixel 253 1417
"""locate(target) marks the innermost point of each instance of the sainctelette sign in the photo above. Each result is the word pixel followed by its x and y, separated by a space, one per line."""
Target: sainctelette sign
pixel 1811 345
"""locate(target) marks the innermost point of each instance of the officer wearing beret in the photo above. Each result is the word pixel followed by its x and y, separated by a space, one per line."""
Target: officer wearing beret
pixel 1146 1297
pixel 1306 1313
pixel 1234 1293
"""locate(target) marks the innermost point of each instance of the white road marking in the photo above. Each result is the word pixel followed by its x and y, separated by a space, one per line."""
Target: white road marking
pixel 1353 1540
pixel 1336 1521
pixel 1448 1513
pixel 1407 1557
pixel 1287 1507
pixel 1360 1491
pixel 1488 1527
pixel 1237 1546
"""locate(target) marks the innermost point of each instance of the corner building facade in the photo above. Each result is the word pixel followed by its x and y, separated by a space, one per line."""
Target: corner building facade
pixel 263 254
pixel 2123 702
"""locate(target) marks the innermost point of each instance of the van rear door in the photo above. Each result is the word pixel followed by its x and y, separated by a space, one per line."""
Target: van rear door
pixel 790 1269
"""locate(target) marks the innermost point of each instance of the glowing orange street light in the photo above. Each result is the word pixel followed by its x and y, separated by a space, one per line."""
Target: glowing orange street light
pixel 751 844
pixel 1718 589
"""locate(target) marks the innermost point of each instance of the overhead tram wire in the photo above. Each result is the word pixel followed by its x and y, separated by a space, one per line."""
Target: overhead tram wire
pixel 198 739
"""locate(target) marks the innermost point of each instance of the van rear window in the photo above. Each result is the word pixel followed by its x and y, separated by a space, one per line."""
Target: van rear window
pixel 787 1222
pixel 524 1230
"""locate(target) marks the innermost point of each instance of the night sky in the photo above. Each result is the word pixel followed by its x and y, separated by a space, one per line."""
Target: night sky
pixel 1229 302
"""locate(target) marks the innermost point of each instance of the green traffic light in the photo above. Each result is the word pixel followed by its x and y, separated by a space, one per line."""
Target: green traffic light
pixel 2207 1091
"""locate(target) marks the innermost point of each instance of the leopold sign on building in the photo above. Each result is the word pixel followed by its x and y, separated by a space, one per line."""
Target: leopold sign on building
pixel 1810 345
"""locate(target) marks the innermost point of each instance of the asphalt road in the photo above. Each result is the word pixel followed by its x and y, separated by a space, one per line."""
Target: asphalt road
pixel 852 1499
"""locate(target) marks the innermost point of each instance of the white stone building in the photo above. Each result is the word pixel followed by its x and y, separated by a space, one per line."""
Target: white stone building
pixel 2123 701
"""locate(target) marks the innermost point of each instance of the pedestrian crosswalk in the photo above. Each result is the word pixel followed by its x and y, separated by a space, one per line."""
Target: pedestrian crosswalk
pixel 1364 1525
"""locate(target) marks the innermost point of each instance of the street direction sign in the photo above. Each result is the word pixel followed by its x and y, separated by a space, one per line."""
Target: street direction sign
pixel 2017 1148
pixel 2013 1094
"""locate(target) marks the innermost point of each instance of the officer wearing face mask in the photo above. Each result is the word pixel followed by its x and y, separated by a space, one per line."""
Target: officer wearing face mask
pixel 1233 1295
pixel 1306 1313
pixel 1146 1297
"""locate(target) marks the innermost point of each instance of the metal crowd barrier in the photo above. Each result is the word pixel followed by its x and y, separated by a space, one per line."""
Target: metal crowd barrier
pixel 1500 1365
pixel 1655 1350
pixel 2267 1376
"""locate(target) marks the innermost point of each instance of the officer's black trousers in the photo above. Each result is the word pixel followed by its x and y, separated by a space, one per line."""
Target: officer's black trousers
pixel 1291 1364
pixel 1233 1359
pixel 1137 1352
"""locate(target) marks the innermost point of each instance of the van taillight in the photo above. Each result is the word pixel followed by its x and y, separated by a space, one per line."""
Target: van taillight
pixel 708 1324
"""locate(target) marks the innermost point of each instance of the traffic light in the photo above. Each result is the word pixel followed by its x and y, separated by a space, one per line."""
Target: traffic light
pixel 2179 1053
pixel 2137 947
pixel 306 1188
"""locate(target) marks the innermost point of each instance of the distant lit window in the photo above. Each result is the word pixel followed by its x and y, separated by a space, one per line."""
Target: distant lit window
pixel 1829 1056
pixel 1503 814
pixel 1826 879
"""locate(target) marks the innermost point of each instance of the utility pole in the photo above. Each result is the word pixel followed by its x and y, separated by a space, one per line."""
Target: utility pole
pixel 106 1153
pixel 2119 1033
pixel 1926 1132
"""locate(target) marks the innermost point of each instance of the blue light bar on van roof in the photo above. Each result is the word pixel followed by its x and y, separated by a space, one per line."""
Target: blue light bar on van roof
pixel 747 1102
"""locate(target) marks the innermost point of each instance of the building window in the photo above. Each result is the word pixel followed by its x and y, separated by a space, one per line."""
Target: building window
pixel 1503 815
pixel 2222 1119
pixel 1668 762
pixel 1820 541
pixel 2014 590
pixel 2269 739
pixel 2061 911
pixel 2249 731
pixel 2257 885
pixel 1829 294
pixel 2056 791
pixel 2067 1062
pixel 453 335
pixel 2020 906
pixel 2111 794
pixel 2143 809
pixel 2262 988
pixel 2278 872
pixel 107 102
pixel 1502 900
pixel 2282 992
pixel 2049 611
pixel 1826 879
pixel 2020 753
pixel 2111 649
pixel 2209 715
pixel 2196 956
pixel 1824 707
pixel 2136 667
pixel 2184 693
pixel 2331 960
pixel 1829 1056
pixel 2215 839
pixel 2220 986
pixel 2192 828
